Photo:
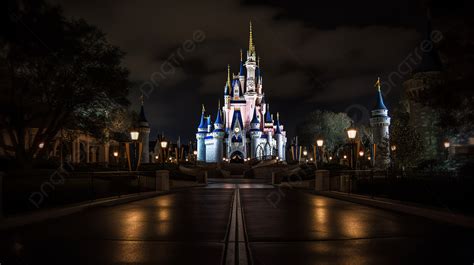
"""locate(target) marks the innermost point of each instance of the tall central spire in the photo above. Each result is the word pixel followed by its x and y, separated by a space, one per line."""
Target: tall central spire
pixel 251 46
pixel 228 75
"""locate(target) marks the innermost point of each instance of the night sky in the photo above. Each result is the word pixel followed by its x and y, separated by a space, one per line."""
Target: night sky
pixel 324 56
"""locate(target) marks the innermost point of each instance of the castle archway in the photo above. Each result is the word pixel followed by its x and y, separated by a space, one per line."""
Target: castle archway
pixel 237 157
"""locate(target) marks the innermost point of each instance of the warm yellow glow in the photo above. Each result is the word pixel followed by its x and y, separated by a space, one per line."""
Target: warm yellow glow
pixel 447 144
pixel 345 157
pixel 330 158
pixel 393 147
pixel 351 133
pixel 361 153
pixel 134 135
pixel 41 145
pixel 320 142
pixel 305 153
pixel 115 154
pixel 164 144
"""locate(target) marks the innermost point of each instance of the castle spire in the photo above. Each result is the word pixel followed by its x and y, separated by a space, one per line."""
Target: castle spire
pixel 228 75
pixel 203 108
pixel 379 101
pixel 251 46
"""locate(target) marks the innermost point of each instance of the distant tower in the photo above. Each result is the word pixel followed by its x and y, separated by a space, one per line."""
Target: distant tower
pixel 280 140
pixel 427 75
pixel 144 129
pixel 200 135
pixel 218 136
pixel 255 134
pixel 380 123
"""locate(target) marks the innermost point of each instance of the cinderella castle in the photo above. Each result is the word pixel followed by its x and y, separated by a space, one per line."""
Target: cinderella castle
pixel 244 127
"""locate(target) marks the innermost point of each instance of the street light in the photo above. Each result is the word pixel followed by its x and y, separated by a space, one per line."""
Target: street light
pixel 195 152
pixel 319 144
pixel 446 144
pixel 393 148
pixel 41 145
pixel 116 154
pixel 134 135
pixel 351 134
pixel 361 153
pixel 163 145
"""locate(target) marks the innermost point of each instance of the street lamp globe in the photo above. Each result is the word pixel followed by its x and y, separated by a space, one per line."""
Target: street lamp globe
pixel 164 144
pixel 446 144
pixel 115 154
pixel 393 147
pixel 305 153
pixel 361 153
pixel 351 133
pixel 345 157
pixel 319 142
pixel 134 135
pixel 41 145
pixel 195 152
pixel 330 158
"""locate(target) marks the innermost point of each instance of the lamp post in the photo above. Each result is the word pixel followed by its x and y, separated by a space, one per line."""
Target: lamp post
pixel 195 153
pixel 305 155
pixel 163 145
pixel 351 134
pixel 134 134
pixel 361 155
pixel 318 158
pixel 116 154
pixel 447 144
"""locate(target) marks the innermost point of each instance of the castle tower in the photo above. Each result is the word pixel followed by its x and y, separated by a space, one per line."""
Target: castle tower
pixel 280 139
pixel 426 76
pixel 380 122
pixel 255 134
pixel 200 136
pixel 251 65
pixel 144 129
pixel 218 136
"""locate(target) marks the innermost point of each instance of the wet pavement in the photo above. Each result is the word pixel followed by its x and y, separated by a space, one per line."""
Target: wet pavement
pixel 291 227
pixel 280 226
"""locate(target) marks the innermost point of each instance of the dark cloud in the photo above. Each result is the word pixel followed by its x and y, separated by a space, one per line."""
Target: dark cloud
pixel 325 56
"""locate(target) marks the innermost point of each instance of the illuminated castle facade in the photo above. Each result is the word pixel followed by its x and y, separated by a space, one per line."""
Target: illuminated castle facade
pixel 244 127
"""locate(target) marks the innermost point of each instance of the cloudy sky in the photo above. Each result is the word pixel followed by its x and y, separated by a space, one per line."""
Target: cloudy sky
pixel 324 56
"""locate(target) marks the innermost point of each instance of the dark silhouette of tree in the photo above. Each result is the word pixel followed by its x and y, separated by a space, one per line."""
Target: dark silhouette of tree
pixel 327 125
pixel 57 72
pixel 408 142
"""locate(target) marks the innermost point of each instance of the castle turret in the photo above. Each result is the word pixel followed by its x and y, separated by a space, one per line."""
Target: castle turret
pixel 280 139
pixel 218 137
pixel 380 123
pixel 200 136
pixel 255 134
pixel 144 129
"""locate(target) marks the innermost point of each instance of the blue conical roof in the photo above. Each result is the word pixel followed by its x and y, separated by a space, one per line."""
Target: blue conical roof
pixel 218 117
pixel 226 89
pixel 268 115
pixel 141 116
pixel 255 117
pixel 379 103
pixel 278 125
pixel 203 123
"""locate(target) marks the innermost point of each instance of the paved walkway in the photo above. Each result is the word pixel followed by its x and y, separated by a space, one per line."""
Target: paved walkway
pixel 232 223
